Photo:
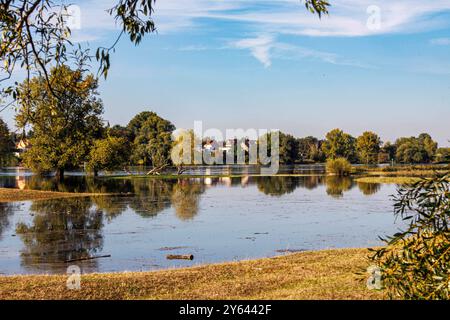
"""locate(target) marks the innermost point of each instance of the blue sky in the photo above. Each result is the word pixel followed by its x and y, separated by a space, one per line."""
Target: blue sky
pixel 271 64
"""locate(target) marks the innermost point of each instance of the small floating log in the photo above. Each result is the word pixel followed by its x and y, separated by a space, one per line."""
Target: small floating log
pixel 88 258
pixel 180 257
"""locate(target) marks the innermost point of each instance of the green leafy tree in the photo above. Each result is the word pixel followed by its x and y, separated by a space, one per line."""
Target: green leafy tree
pixel 415 264
pixel 108 154
pixel 368 147
pixel 119 132
pixel 411 151
pixel 135 125
pixel 429 145
pixel 442 155
pixel 309 149
pixel 64 128
pixel 339 145
pixel 152 139
pixel 288 149
pixel 387 153
pixel 6 144
pixel 416 150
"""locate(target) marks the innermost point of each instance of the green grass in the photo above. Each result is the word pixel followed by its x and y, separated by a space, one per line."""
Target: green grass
pixel 326 275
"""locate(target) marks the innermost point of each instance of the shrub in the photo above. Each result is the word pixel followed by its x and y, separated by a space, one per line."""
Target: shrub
pixel 416 263
pixel 339 166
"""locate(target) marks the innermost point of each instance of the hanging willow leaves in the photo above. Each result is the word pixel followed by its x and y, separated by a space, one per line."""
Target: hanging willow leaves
pixel 416 262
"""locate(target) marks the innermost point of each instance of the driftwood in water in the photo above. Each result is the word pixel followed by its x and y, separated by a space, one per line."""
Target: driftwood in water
pixel 181 170
pixel 180 257
pixel 290 250
pixel 157 170
pixel 88 258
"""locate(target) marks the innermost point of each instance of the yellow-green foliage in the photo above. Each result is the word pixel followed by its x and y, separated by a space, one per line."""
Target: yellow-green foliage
pixel 339 167
pixel 108 154
pixel 64 128
pixel 416 263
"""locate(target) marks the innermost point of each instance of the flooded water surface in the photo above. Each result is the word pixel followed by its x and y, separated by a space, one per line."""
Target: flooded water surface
pixel 214 219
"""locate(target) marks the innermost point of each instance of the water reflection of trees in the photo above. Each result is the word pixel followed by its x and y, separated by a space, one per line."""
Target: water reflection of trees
pixel 111 206
pixel 6 212
pixel 186 199
pixel 369 189
pixel 311 182
pixel 71 228
pixel 277 186
pixel 82 184
pixel 151 196
pixel 61 230
pixel 336 186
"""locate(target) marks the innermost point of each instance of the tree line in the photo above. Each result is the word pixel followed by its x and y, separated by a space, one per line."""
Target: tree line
pixel 365 149
pixel 68 132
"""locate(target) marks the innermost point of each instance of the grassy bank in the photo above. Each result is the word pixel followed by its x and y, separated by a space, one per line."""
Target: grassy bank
pixel 308 275
pixel 14 195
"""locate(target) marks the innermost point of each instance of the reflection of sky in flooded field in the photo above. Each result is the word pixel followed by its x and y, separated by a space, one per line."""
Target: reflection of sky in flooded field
pixel 216 219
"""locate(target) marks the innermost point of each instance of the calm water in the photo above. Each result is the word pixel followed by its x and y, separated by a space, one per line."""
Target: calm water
pixel 214 219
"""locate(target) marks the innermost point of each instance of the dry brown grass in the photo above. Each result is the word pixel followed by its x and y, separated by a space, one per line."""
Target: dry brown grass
pixel 14 195
pixel 326 275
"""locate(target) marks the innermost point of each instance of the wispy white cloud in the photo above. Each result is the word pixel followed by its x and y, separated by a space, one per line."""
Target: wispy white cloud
pixel 259 47
pixel 347 17
pixel 440 42
pixel 265 47
pixel 196 47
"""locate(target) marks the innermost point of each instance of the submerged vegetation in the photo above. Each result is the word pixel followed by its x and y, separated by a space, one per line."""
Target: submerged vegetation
pixel 387 180
pixel 14 195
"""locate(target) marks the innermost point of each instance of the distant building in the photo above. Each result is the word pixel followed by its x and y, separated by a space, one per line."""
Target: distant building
pixel 211 146
pixel 229 146
pixel 22 146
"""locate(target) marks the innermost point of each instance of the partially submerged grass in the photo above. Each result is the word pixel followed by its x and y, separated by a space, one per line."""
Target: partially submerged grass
pixel 14 195
pixel 326 275
pixel 388 180
pixel 407 173
pixel 404 171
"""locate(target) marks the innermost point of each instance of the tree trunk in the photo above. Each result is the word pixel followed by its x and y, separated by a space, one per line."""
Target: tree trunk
pixel 95 173
pixel 60 174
